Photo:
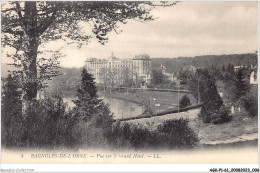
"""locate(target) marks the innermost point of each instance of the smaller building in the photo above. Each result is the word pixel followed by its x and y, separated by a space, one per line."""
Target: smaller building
pixel 189 68
pixel 237 67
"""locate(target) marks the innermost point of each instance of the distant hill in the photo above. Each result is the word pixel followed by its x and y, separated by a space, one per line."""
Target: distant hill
pixel 173 65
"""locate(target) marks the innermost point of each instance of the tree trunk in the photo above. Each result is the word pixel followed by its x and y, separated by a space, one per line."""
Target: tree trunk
pixel 30 47
pixel 31 43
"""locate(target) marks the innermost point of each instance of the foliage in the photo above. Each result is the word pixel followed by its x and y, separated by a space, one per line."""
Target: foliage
pixel 238 91
pixel 177 133
pixel 227 85
pixel 193 85
pixel 171 134
pixel 175 64
pixel 241 83
pixel 87 103
pixel 26 25
pixel 185 76
pixel 250 103
pixel 11 115
pixel 44 124
pixel 94 117
pixel 208 93
pixel 184 102
pixel 124 135
pixel 158 77
pixel 221 116
pixel 47 124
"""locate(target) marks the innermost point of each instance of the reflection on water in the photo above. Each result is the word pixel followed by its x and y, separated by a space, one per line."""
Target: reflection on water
pixel 120 108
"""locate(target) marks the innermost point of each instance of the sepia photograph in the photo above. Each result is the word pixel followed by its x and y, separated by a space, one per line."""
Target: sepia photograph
pixel 129 82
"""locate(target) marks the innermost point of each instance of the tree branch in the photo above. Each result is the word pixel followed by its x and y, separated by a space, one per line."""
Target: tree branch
pixel 20 14
pixel 45 24
pixel 164 4
pixel 10 9
pixel 10 31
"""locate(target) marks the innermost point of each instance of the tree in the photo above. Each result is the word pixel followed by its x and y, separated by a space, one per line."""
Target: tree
pixel 208 94
pixel 250 103
pixel 94 119
pixel 103 76
pixel 185 101
pixel 86 95
pixel 241 83
pixel 178 134
pixel 126 76
pixel 87 103
pixel 113 77
pixel 185 76
pixel 27 25
pixel 158 77
pixel 11 118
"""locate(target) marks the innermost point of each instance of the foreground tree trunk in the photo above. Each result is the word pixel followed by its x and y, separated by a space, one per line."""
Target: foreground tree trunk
pixel 30 47
pixel 31 44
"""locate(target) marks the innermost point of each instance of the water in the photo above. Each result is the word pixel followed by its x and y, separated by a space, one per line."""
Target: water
pixel 120 108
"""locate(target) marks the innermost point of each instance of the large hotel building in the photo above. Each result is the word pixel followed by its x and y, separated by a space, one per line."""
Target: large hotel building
pixel 116 71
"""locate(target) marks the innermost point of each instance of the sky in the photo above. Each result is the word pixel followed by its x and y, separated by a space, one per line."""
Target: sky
pixel 186 29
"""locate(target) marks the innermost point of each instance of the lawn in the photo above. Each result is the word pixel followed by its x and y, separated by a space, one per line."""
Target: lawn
pixel 158 101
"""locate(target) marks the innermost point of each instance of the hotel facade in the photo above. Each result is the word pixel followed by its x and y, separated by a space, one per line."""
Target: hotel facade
pixel 115 72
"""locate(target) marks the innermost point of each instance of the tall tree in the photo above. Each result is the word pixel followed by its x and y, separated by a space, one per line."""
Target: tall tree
pixel 26 25
pixel 241 83
pixel 203 87
pixel 87 103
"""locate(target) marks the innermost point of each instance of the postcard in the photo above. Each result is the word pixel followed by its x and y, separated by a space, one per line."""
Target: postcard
pixel 129 82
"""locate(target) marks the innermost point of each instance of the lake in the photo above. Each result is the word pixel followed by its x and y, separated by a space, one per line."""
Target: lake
pixel 120 108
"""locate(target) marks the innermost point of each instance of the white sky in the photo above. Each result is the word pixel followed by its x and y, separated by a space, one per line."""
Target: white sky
pixel 186 29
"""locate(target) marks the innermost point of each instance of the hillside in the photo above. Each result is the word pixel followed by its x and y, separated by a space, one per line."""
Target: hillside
pixel 173 65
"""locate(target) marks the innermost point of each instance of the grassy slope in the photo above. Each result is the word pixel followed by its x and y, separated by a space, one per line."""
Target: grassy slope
pixel 240 128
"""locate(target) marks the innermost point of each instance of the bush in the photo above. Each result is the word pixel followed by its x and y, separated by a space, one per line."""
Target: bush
pixel 47 125
pixel 250 103
pixel 11 113
pixel 184 102
pixel 126 136
pixel 177 134
pixel 205 82
pixel 205 114
pixel 44 123
pixel 171 134
pixel 221 116
pixel 93 132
